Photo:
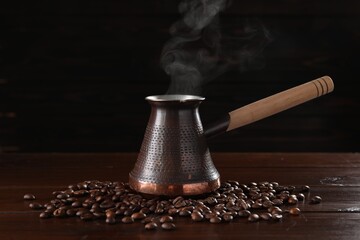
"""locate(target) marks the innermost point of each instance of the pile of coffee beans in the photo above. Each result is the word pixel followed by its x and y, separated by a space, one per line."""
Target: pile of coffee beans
pixel 116 202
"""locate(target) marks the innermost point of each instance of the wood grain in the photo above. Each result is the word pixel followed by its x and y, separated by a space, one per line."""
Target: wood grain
pixel 333 176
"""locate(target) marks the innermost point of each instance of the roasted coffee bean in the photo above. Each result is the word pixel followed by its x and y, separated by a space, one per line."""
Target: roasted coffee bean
pixel 45 215
pixel 228 217
pixel 29 196
pixel 257 205
pixel 253 217
pixel 276 210
pixel 59 213
pixel 277 202
pixel 166 218
pixel 151 226
pixel 215 220
pixel 244 213
pixel 305 188
pixel 127 219
pixel 168 226
pixel 36 205
pixel 197 216
pixel 300 197
pixel 112 220
pixel 146 210
pixel 62 196
pixel 184 213
pixel 294 211
pixel 138 216
pixel 71 212
pixel 87 216
pixel 94 199
pixel 147 220
pixel 265 216
pixel 277 216
pixel 173 211
pixel 316 200
pixel 110 214
pixel 76 204
pixel 293 199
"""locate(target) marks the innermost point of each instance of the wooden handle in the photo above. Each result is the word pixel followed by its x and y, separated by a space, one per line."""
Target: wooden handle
pixel 279 102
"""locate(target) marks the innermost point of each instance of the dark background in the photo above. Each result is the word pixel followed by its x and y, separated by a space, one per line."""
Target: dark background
pixel 74 74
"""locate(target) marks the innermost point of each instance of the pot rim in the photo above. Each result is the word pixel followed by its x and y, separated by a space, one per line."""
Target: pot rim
pixel 174 98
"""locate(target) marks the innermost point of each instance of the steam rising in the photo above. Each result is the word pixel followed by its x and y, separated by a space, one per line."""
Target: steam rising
pixel 199 52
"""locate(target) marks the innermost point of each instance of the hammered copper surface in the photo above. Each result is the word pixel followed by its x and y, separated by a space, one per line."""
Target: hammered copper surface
pixel 174 150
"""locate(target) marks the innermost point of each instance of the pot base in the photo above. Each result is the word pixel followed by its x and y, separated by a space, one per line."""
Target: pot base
pixel 174 189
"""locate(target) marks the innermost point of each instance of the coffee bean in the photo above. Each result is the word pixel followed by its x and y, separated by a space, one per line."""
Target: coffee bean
pixel 110 214
pixel 300 197
pixel 29 196
pixel 294 211
pixel 215 220
pixel 168 226
pixel 253 217
pixel 164 219
pixel 71 212
pixel 87 216
pixel 36 205
pixel 316 200
pixel 59 213
pixel 173 211
pixel 305 188
pixel 265 216
pixel 197 216
pixel 45 215
pixel 244 213
pixel 127 219
pixel 276 210
pixel 108 200
pixel 228 217
pixel 62 196
pixel 112 220
pixel 277 216
pixel 293 199
pixel 184 213
pixel 151 226
pixel 138 216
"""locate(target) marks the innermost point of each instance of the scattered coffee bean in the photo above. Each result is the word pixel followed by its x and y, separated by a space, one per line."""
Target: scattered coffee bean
pixel 294 211
pixel 36 205
pixel 197 216
pixel 316 200
pixel 253 217
pixel 277 216
pixel 165 219
pixel 300 197
pixel 112 220
pixel 293 199
pixel 87 216
pixel 265 216
pixel 215 220
pixel 184 213
pixel 244 213
pixel 91 200
pixel 29 196
pixel 228 217
pixel 151 226
pixel 45 215
pixel 305 188
pixel 60 212
pixel 138 216
pixel 168 226
pixel 127 219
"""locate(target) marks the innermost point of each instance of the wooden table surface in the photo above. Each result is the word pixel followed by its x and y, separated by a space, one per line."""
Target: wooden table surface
pixel 333 176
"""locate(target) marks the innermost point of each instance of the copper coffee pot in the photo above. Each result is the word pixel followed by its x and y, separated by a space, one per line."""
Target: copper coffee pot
pixel 174 158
